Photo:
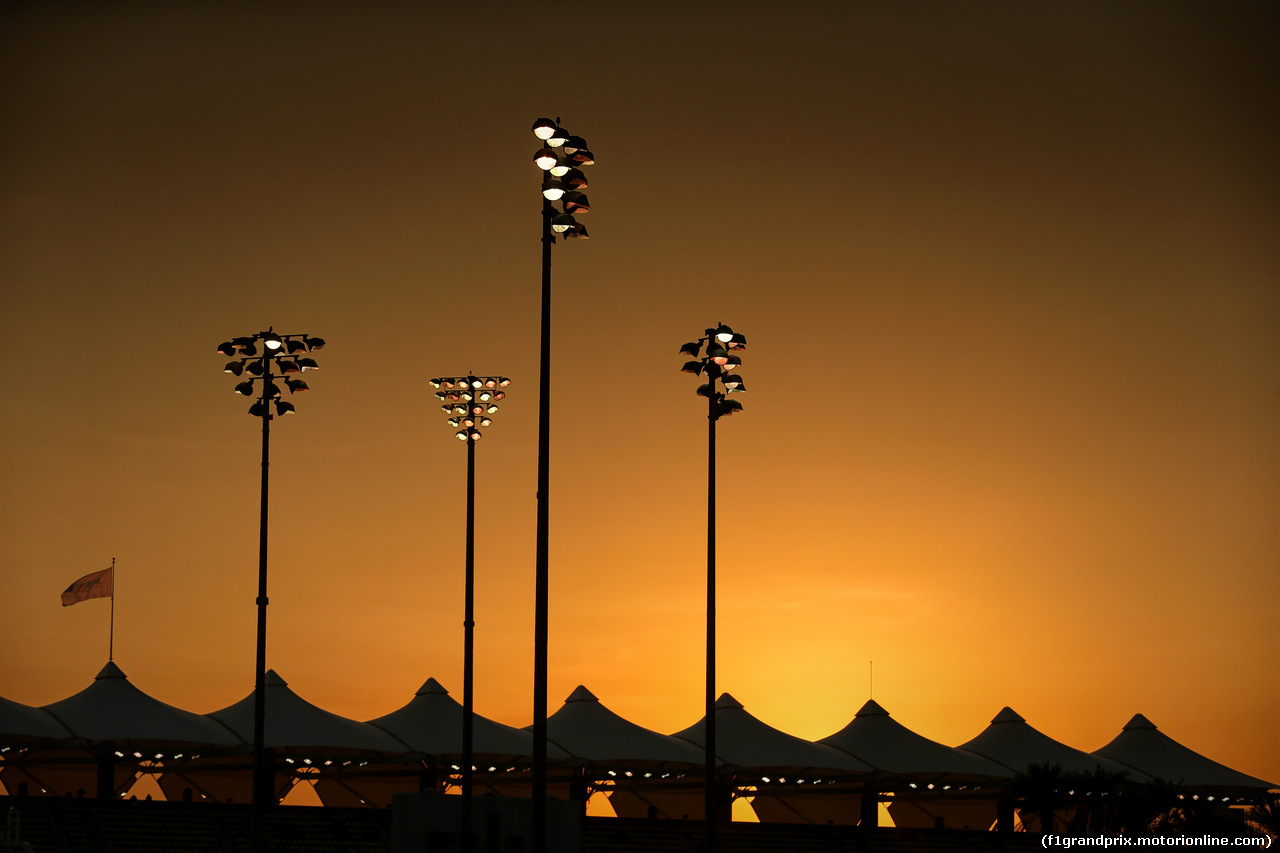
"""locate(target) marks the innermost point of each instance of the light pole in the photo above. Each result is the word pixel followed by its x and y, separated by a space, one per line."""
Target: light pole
pixel 718 365
pixel 469 401
pixel 563 182
pixel 281 357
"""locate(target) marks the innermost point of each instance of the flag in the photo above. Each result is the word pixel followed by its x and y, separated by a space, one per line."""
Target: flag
pixel 94 585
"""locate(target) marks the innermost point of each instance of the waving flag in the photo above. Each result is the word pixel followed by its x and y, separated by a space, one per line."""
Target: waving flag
pixel 94 585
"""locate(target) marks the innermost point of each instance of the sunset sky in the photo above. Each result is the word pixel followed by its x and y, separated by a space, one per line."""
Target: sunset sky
pixel 1008 274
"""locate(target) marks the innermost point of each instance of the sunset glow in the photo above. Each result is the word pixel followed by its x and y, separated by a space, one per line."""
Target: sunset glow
pixel 1008 274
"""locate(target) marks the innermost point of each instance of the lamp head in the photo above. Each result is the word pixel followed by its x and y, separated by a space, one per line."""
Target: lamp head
pixel 544 159
pixel 544 127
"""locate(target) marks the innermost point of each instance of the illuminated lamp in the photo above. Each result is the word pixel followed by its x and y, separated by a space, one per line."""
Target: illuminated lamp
pixel 272 341
pixel 477 383
pixel 553 189
pixel 561 168
pixel 583 157
pixel 435 383
pixel 485 396
pixel 694 367
pixel 558 137
pixel 283 408
pixel 738 341
pixel 468 422
pixel 308 364
pixel 563 223
pixel 477 410
pixel 447 409
pixel 461 435
pixel 724 334
pixel 499 395
pixel 543 128
pixel 235 368
pixel 475 435
pixel 455 422
pixel 485 422
pixel 734 385
pixel 734 361
pixel 691 349
pixel 578 231
pixel 459 409
pixel 718 355
pixel 503 381
pixel 441 396
pixel 576 202
pixel 468 396
pixel 295 385
pixel 544 159
pixel 289 366
pixel 491 409
pixel 226 348
pixel 245 388
pixel 573 143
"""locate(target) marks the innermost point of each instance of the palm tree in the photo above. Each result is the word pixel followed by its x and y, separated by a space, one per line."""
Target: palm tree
pixel 1041 790
pixel 1265 817
pixel 1097 797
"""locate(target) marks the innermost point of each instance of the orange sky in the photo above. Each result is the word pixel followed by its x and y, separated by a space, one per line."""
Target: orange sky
pixel 1007 272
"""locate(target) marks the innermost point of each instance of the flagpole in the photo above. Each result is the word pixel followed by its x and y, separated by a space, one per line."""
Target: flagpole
pixel 111 636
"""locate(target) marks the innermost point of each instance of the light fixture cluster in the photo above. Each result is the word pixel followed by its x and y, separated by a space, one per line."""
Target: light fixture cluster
pixel 562 157
pixel 278 357
pixel 719 366
pixel 469 401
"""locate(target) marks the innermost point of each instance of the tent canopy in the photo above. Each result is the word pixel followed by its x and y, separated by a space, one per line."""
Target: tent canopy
pixel 111 710
pixel 746 742
pixel 432 724
pixel 876 739
pixel 294 725
pixel 22 725
pixel 1011 741
pixel 1141 746
pixel 586 729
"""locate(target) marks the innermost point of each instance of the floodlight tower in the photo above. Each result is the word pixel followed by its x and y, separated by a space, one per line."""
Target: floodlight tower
pixel 719 366
pixel 281 357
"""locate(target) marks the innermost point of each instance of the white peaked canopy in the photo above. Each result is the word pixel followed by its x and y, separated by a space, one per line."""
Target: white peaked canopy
pixel 110 719
pixel 1011 741
pixel 892 748
pixel 1141 746
pixel 111 710
pixel 432 724
pixel 22 725
pixel 747 743
pixel 294 725
pixel 587 730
